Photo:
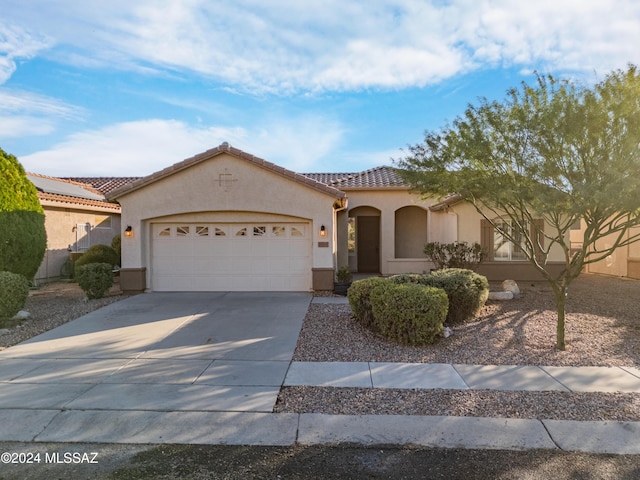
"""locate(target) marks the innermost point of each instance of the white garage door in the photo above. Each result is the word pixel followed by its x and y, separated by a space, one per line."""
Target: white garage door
pixel 231 257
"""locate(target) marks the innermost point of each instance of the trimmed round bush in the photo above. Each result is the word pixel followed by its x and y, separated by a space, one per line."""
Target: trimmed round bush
pixel 359 294
pixel 14 290
pixel 408 313
pixel 467 291
pixel 98 254
pixel 95 279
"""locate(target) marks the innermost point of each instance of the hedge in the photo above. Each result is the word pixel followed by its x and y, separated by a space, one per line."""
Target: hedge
pixel 98 254
pixel 467 291
pixel 95 279
pixel 408 313
pixel 22 233
pixel 14 290
pixel 359 294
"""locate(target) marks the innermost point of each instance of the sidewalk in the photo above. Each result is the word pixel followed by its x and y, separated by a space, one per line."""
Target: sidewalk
pixel 463 377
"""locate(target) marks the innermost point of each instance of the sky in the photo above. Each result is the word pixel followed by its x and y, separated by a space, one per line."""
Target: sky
pixel 127 88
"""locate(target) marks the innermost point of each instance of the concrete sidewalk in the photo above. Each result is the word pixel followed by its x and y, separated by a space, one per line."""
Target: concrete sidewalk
pixel 463 377
pixel 207 369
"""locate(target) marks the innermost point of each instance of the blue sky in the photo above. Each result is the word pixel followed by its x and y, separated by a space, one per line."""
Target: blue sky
pixel 126 88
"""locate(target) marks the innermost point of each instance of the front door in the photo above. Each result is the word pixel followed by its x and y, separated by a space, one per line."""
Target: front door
pixel 368 234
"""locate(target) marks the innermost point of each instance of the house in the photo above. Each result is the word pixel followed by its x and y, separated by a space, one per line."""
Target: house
pixel 622 262
pixel 77 216
pixel 227 220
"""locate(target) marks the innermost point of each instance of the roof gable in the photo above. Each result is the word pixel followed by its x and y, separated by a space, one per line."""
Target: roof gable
pixel 212 153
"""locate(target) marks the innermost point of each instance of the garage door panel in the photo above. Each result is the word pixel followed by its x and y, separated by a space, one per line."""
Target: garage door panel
pixel 237 257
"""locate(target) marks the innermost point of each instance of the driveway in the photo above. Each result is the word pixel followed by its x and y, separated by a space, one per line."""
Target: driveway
pixel 159 352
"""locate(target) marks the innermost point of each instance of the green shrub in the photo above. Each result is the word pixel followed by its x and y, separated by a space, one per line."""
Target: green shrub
pixel 95 279
pixel 22 234
pixel 467 291
pixel 97 254
pixel 408 313
pixel 116 244
pixel 14 289
pixel 455 255
pixel 359 299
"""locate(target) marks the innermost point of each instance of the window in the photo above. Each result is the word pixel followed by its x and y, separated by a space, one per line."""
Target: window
pixel 165 232
pixel 242 232
pixel 503 249
pixel 351 238
pixel 500 248
pixel 220 232
pixel 278 231
pixel 297 232
pixel 202 231
pixel 259 231
pixel 182 231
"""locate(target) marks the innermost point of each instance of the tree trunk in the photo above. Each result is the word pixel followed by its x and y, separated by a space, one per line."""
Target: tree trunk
pixel 561 300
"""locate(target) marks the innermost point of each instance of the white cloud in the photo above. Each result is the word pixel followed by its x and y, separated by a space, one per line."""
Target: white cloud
pixel 143 147
pixel 282 46
pixel 17 42
pixel 24 114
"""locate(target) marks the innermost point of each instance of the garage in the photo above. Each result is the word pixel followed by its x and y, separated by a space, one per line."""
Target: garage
pixel 258 256
pixel 225 220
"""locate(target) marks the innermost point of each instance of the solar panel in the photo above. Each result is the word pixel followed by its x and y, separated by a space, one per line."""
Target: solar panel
pixel 50 185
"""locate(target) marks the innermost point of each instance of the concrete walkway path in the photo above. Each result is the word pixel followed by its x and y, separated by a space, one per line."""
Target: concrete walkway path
pixel 207 368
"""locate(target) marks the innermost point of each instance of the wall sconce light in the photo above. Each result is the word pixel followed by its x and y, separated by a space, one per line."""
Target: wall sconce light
pixel 128 232
pixel 323 231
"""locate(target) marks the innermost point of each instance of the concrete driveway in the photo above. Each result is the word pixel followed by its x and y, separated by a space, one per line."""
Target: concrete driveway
pixel 158 352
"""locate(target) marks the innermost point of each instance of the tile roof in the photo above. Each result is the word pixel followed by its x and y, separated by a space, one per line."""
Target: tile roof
pixel 75 201
pixel 378 177
pixel 104 184
pixel 69 192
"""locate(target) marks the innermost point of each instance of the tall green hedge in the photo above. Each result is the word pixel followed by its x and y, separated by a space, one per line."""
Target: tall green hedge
pixel 23 238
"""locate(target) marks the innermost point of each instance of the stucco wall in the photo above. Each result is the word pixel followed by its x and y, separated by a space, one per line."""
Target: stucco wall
pixel 221 189
pixel 469 229
pixel 60 225
pixel 387 202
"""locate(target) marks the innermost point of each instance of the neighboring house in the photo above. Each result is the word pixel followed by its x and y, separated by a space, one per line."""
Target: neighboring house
pixel 77 216
pixel 226 220
pixel 623 262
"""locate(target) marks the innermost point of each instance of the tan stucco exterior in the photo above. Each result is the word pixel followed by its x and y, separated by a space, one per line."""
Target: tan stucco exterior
pixel 622 262
pixel 468 224
pixel 385 203
pixel 61 223
pixel 226 188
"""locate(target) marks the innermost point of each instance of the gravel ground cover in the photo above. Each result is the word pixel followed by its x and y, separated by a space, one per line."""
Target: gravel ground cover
pixel 51 306
pixel 603 329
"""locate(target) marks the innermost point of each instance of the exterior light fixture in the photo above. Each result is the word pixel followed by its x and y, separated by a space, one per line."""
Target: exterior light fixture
pixel 128 232
pixel 323 231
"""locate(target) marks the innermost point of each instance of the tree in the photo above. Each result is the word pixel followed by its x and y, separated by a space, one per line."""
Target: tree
pixel 554 151
pixel 22 233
